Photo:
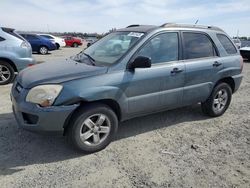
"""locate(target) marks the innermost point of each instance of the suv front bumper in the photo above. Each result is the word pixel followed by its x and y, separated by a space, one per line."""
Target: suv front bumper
pixel 32 117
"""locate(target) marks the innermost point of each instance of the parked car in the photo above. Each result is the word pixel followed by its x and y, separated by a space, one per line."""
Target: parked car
pixel 163 67
pixel 72 41
pixel 245 52
pixel 58 40
pixel 15 54
pixel 237 42
pixel 117 44
pixel 39 44
pixel 90 40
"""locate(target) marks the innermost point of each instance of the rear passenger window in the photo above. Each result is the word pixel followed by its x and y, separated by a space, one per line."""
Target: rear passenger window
pixel 32 37
pixel 227 44
pixel 197 45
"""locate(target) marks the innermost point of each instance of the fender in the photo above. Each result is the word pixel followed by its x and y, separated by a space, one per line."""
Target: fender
pixel 95 94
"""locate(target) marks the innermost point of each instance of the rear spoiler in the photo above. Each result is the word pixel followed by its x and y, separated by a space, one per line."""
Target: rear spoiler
pixel 6 29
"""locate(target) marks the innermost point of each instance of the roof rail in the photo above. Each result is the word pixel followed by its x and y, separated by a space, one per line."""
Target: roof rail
pixel 191 26
pixel 134 25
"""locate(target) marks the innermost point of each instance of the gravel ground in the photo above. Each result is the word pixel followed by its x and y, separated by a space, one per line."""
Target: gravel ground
pixel 178 148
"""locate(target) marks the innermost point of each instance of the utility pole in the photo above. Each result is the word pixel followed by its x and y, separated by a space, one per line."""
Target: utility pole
pixel 48 27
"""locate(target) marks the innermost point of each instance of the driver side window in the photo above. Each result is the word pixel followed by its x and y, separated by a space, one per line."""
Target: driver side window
pixel 161 48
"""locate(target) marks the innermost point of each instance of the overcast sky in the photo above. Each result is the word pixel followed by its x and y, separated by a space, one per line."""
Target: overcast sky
pixel 102 15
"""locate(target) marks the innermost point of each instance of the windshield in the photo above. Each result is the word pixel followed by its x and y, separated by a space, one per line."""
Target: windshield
pixel 110 48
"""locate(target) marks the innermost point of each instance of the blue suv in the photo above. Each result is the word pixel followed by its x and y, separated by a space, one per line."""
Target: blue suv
pixel 157 68
pixel 39 44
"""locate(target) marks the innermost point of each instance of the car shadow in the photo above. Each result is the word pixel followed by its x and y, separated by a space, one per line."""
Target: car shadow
pixel 36 53
pixel 19 148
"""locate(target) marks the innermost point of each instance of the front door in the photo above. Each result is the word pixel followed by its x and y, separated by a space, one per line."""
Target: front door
pixel 161 85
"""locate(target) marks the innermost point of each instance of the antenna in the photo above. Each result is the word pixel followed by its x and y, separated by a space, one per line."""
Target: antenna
pixel 196 22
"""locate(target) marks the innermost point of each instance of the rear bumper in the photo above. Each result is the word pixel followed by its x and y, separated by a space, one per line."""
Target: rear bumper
pixel 237 81
pixel 52 47
pixel 62 44
pixel 37 119
pixel 22 63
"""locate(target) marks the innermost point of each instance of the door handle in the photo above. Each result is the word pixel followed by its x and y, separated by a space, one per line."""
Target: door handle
pixel 216 64
pixel 176 70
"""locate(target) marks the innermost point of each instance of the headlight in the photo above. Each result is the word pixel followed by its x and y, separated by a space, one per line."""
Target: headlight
pixel 44 95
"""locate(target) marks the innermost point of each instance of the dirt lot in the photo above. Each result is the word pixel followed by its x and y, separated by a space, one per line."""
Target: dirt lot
pixel 178 148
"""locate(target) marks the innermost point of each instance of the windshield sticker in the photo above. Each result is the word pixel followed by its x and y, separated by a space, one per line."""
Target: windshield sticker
pixel 135 34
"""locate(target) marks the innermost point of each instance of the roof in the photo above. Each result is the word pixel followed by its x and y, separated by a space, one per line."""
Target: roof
pixel 170 25
pixel 148 28
pixel 139 28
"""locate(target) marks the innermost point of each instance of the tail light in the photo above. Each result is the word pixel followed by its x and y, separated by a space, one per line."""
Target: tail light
pixel 241 63
pixel 25 44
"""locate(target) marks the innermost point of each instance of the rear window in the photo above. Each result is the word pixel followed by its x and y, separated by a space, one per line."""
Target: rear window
pixel 198 45
pixel 47 36
pixel 227 44
pixel 12 32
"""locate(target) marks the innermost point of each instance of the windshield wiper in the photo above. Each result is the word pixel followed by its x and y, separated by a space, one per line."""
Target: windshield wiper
pixel 91 58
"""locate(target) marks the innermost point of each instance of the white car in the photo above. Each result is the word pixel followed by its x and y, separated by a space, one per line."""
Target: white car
pixel 60 42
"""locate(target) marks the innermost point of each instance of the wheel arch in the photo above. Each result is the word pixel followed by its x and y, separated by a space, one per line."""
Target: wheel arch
pixel 114 105
pixel 229 81
pixel 10 62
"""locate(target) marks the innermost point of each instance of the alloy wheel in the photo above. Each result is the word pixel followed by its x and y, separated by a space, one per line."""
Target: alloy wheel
pixel 43 50
pixel 4 73
pixel 220 100
pixel 95 129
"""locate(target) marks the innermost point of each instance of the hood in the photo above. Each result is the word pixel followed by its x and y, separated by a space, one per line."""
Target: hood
pixel 57 72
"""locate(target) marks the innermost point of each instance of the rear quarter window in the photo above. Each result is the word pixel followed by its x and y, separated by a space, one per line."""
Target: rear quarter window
pixel 12 32
pixel 1 39
pixel 47 36
pixel 227 44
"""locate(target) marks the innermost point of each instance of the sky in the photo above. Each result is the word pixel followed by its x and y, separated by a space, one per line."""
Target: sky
pixel 102 15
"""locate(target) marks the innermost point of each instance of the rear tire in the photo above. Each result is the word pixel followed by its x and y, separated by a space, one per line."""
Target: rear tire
pixel 7 73
pixel 218 101
pixel 92 128
pixel 43 50
pixel 75 45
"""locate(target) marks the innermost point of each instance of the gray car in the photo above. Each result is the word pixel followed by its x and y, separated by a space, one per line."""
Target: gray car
pixel 163 67
pixel 15 54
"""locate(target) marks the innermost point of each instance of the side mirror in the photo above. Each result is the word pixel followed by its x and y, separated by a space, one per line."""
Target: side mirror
pixel 140 62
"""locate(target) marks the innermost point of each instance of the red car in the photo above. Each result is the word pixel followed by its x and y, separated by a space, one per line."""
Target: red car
pixel 72 41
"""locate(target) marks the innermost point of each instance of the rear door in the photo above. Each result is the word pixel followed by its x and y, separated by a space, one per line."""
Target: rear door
pixel 202 63
pixel 161 85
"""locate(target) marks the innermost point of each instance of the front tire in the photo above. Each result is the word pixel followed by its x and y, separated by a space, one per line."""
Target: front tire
pixel 43 50
pixel 219 100
pixel 7 73
pixel 57 46
pixel 92 128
